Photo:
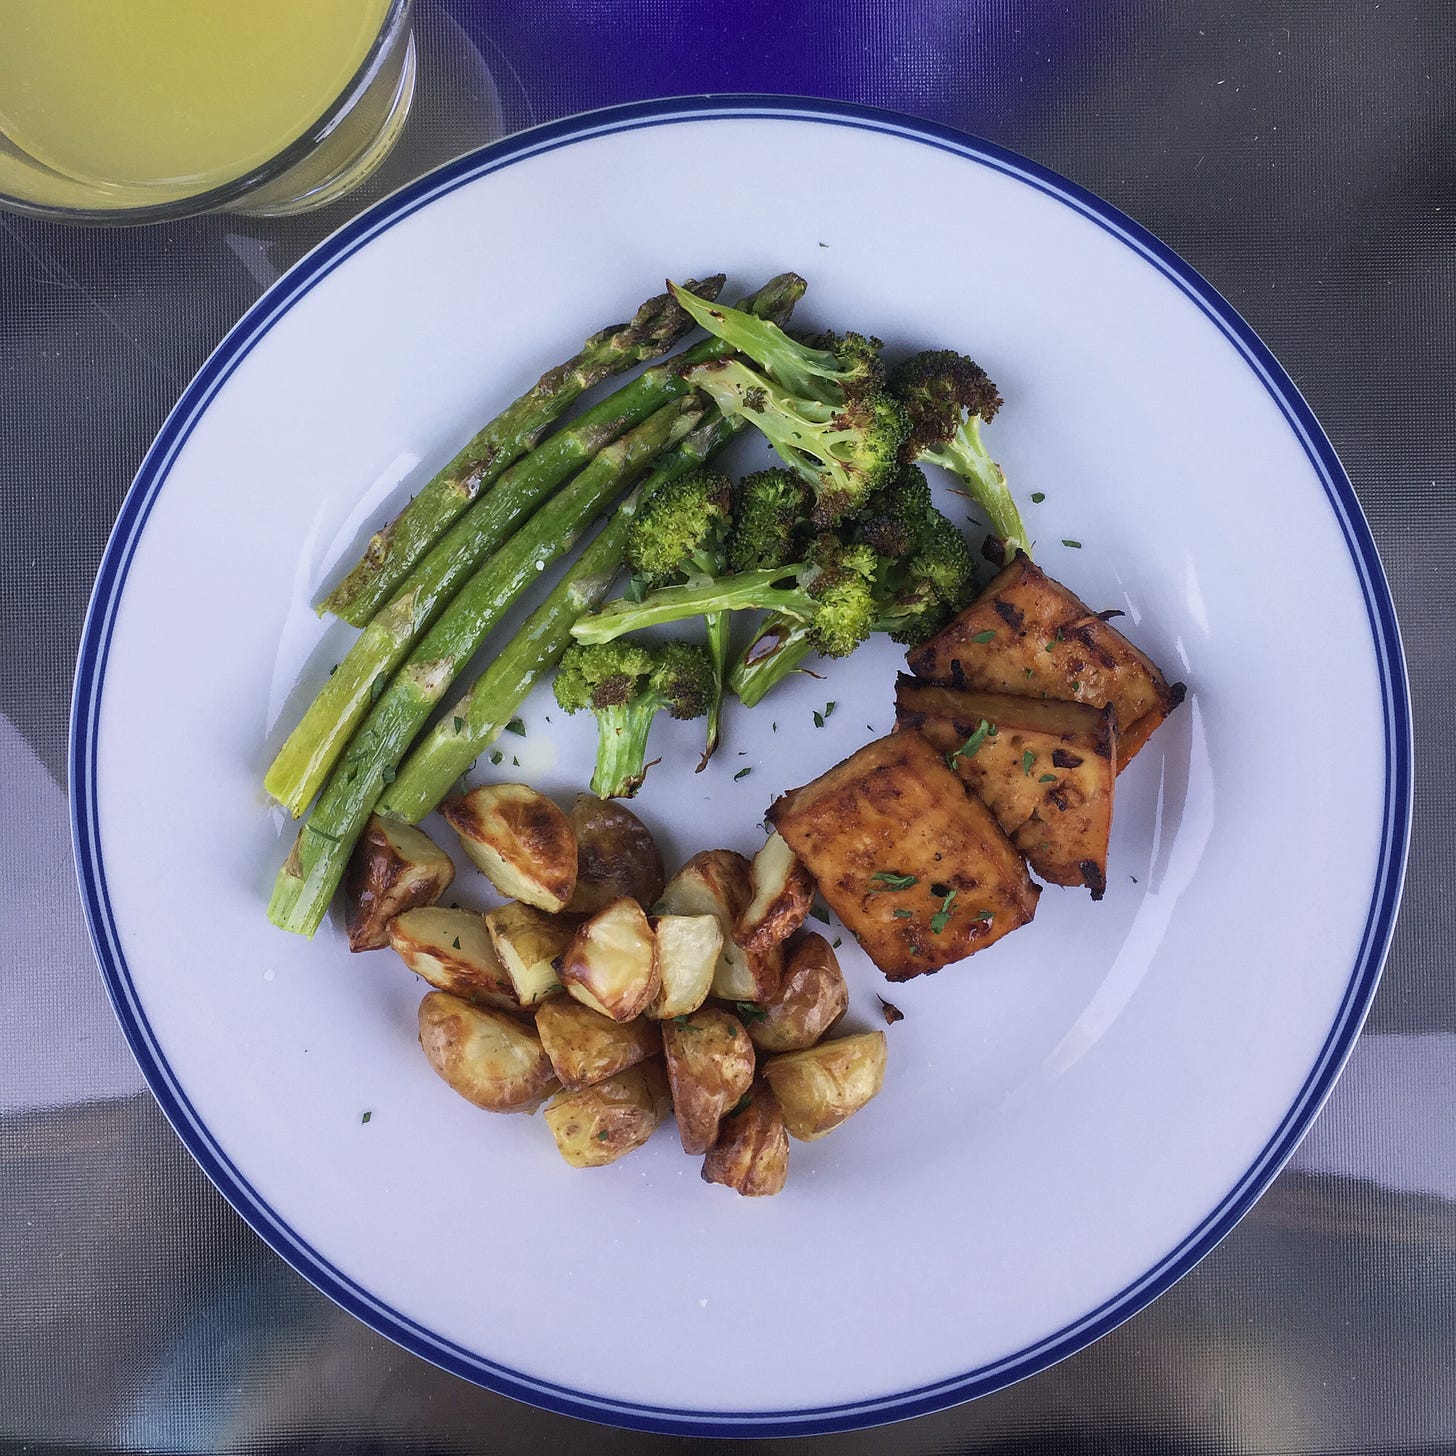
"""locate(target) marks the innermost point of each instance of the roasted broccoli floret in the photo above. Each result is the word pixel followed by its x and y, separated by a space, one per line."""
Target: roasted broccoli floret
pixel 626 685
pixel 679 537
pixel 770 508
pixel 825 410
pixel 947 397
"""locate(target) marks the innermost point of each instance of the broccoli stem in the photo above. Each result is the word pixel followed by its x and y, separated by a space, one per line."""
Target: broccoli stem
pixel 966 457
pixel 475 721
pixel 307 881
pixel 311 750
pixel 719 627
pixel 393 552
pixel 622 731
pixel 745 591
pixel 779 650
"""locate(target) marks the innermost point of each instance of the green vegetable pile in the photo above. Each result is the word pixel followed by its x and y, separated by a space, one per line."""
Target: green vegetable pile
pixel 838 542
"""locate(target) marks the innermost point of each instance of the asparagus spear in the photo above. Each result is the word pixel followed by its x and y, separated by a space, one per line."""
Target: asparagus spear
pixel 392 552
pixel 310 751
pixel 477 719
pixel 307 881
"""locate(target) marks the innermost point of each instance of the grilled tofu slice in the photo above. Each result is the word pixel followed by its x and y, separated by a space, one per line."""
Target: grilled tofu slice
pixel 1045 769
pixel 915 866
pixel 1027 634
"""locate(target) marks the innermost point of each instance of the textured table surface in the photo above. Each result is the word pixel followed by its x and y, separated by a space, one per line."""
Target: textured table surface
pixel 1299 154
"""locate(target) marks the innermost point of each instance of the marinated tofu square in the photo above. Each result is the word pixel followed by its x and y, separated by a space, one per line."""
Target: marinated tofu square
pixel 1027 634
pixel 1046 770
pixel 915 866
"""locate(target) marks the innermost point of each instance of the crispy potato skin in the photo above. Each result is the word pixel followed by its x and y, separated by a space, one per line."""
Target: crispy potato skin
pixel 783 890
pixel 810 1000
pixel 895 808
pixel 394 868
pixel 519 840
pixel 596 1125
pixel 452 950
pixel 611 964
pixel 751 1155
pixel 1048 643
pixel 1056 804
pixel 586 1047
pixel 820 1087
pixel 489 1058
pixel 615 856
pixel 710 1065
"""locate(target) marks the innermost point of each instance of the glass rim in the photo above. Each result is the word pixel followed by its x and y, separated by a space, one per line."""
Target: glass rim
pixel 216 198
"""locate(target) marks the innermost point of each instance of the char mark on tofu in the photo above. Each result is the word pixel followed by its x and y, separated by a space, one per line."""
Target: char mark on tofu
pixel 1028 635
pixel 916 867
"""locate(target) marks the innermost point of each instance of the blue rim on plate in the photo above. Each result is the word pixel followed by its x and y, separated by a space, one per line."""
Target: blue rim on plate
pixel 90 680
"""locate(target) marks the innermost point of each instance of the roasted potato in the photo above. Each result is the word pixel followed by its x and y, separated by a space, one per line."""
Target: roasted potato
pixel 751 1154
pixel 601 1123
pixel 1027 634
pixel 452 950
pixel 709 1067
pixel 821 1086
pixel 811 998
pixel 1046 769
pixel 687 955
pixel 611 963
pixel 529 943
pixel 394 867
pixel 491 1059
pixel 719 882
pixel 615 856
pixel 782 894
pixel 520 840
pixel 587 1047
pixel 914 865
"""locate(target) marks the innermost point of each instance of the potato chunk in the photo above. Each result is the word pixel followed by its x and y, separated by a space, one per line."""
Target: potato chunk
pixel 529 943
pixel 601 1123
pixel 913 864
pixel 611 964
pixel 452 950
pixel 587 1047
pixel 709 1067
pixel 520 841
pixel 1046 769
pixel 782 894
pixel 615 856
pixel 821 1086
pixel 1045 642
pixel 394 867
pixel 719 882
pixel 751 1154
pixel 810 1000
pixel 489 1058
pixel 688 947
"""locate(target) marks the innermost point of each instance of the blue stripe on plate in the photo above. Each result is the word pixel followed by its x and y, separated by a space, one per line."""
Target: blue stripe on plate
pixel 90 681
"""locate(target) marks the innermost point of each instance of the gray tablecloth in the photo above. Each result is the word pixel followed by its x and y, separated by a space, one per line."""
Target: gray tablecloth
pixel 1300 155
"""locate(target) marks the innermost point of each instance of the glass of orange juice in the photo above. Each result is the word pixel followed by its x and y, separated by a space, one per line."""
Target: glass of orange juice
pixel 144 110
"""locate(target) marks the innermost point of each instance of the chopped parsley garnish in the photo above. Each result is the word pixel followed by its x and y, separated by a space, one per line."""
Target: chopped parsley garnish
pixel 820 915
pixel 969 748
pixel 496 757
pixel 941 918
pixel 818 718
pixel 459 723
pixel 455 944
pixel 904 915
pixel 365 1118
pixel 749 1013
pixel 603 1135
pixel 1037 497
pixel 892 881
pixel 743 772
pixel 1027 759
pixel 838 941
pixel 1047 779
pixel 983 915
pixel 1075 545
pixel 989 635
pixel 829 709
pixel 517 727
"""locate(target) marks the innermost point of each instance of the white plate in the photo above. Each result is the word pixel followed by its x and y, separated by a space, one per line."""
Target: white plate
pixel 1071 1120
